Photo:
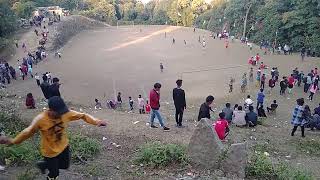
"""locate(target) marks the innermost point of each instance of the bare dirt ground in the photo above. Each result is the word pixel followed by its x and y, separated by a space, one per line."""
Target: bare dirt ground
pixel 102 62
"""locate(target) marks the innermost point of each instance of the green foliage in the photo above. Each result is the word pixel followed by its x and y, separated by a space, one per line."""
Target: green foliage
pixel 24 153
pixel 157 154
pixel 311 147
pixel 23 9
pixel 83 147
pixel 261 167
pixel 8 20
pixel 28 174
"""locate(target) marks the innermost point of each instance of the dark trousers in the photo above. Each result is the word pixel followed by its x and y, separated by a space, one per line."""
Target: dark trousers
pixel 258 105
pixel 62 161
pixel 311 95
pixel 179 116
pixel 262 83
pixel 295 129
pixel 38 82
pixel 306 87
pixel 282 91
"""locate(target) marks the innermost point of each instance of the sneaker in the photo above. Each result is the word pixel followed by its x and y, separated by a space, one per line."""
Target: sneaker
pixel 42 165
pixel 166 128
pixel 153 126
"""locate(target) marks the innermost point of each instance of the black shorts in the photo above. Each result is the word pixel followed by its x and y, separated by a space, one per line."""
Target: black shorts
pixel 62 161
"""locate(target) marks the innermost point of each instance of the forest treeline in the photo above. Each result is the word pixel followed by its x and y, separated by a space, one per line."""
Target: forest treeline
pixel 292 22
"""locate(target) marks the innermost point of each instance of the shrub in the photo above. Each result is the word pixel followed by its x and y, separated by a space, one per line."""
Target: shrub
pixel 157 154
pixel 311 147
pixel 83 147
pixel 261 167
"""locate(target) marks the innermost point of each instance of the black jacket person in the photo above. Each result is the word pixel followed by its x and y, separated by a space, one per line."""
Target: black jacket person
pixel 179 99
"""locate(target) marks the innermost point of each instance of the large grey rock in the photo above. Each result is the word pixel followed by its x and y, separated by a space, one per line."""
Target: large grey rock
pixel 205 147
pixel 235 161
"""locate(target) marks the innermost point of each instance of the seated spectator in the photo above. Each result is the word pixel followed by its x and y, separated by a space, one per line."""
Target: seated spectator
pixel 306 115
pixel 273 107
pixel 235 107
pixel 317 110
pixel 251 117
pixel 239 117
pixel 30 103
pixel 261 111
pixel 228 112
pixel 97 105
pixel 315 123
pixel 221 126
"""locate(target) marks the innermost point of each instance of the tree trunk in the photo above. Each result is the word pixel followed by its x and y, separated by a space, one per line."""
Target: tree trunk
pixel 245 21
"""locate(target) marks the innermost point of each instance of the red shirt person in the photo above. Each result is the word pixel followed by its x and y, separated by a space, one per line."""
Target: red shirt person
pixel 221 126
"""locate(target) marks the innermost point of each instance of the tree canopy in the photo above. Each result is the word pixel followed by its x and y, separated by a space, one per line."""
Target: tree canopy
pixel 292 22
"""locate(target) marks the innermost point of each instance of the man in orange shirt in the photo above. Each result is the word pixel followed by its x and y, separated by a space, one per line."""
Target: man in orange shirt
pixel 54 144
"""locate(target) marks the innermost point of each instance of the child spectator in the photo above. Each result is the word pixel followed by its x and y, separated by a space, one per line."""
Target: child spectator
pixel 119 100
pixel 97 105
pixel 297 118
pixel 30 103
pixel 231 85
pixel 131 103
pixel 251 117
pixel 272 84
pixel 260 98
pixel 263 81
pixel 228 112
pixel 273 107
pixel 283 86
pixel 221 126
pixel 290 83
pixel 248 102
pixel 148 107
pixel 141 104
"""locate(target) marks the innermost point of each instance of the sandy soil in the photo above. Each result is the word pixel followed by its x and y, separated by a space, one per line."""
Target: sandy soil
pixel 99 63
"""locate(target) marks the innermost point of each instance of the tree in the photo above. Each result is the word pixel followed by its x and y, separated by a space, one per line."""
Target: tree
pixel 23 9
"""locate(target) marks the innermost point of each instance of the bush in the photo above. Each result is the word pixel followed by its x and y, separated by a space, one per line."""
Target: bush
pixel 83 147
pixel 261 167
pixel 311 147
pixel 157 154
pixel 11 124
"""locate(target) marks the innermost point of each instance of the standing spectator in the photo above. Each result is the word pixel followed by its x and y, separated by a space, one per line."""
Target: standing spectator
pixel 244 83
pixel 148 107
pixel 307 83
pixel 283 86
pixel 37 77
pixel 260 98
pixel 263 81
pixel 290 83
pixel 272 84
pixel 228 112
pixel 313 90
pixel 119 99
pixel 155 106
pixel 54 88
pixel 205 108
pixel 130 103
pixel 297 118
pixel 45 87
pixel 161 67
pixel 141 104
pixel 179 99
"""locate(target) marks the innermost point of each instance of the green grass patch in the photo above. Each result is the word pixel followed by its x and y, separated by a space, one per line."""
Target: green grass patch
pixel 308 146
pixel 28 174
pixel 261 167
pixel 158 154
pixel 83 147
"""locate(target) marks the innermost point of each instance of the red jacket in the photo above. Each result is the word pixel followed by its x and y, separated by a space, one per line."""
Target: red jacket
pixel 154 99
